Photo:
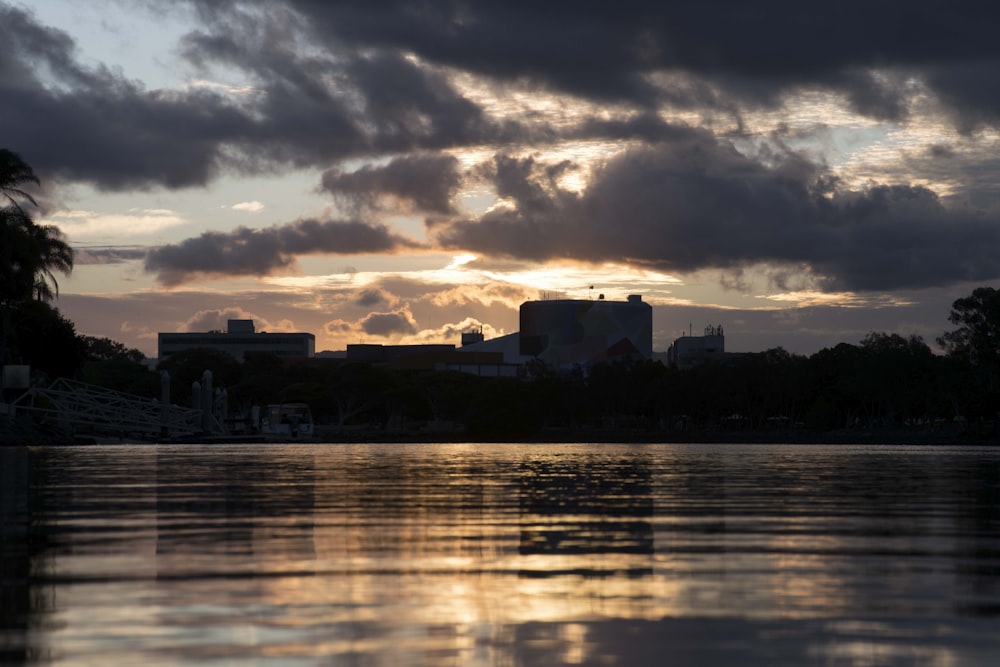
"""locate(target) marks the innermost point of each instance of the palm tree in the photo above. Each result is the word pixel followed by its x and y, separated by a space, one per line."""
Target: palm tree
pixel 15 172
pixel 51 253
pixel 30 254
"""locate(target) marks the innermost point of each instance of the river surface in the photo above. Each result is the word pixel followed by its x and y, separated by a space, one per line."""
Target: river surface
pixel 507 555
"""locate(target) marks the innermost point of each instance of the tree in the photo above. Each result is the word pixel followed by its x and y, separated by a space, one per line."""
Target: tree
pixel 976 342
pixel 46 340
pixel 15 172
pixel 29 253
pixel 977 338
pixel 49 253
pixel 106 349
pixel 188 366
pixel 895 375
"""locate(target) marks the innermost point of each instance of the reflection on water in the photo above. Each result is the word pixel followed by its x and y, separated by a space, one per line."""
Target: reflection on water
pixel 500 555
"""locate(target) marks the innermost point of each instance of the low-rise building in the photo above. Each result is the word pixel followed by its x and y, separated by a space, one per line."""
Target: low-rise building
pixel 689 351
pixel 239 339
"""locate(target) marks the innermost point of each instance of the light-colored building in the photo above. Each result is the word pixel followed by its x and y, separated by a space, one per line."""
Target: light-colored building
pixel 239 339
pixel 689 351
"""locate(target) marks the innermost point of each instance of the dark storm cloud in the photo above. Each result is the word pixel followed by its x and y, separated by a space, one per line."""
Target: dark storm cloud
pixel 321 102
pixel 259 252
pixel 589 49
pixel 425 183
pixel 412 107
pixel 309 107
pixel 95 126
pixel 334 81
pixel 753 52
pixel 698 204
pixel 337 82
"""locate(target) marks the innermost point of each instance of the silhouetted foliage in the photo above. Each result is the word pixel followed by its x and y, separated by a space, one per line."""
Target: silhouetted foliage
pixel 122 375
pixel 975 345
pixel 111 365
pixel 188 367
pixel 29 256
pixel 106 349
pixel 42 338
pixel 887 381
pixel 977 337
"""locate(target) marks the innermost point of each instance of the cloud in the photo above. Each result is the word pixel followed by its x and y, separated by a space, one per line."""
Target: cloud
pixel 310 106
pixel 248 207
pixel 138 333
pixel 393 102
pixel 598 52
pixel 83 256
pixel 214 319
pixel 401 328
pixel 322 84
pixel 260 252
pixel 451 332
pixel 320 102
pixel 333 316
pixel 373 297
pixel 217 319
pixel 384 324
pixel 387 324
pixel 92 125
pixel 698 203
pixel 80 225
pixel 489 294
pixel 420 183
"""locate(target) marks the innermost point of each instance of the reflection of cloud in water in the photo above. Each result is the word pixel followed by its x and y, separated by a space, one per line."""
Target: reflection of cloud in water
pixel 502 554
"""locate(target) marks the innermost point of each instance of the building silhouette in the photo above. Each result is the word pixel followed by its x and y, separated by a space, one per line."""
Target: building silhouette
pixel 689 351
pixel 239 338
pixel 561 333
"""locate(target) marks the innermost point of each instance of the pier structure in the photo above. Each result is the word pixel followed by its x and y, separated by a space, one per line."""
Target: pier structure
pixel 75 406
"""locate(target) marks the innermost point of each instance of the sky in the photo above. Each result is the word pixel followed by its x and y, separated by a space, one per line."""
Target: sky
pixel 401 172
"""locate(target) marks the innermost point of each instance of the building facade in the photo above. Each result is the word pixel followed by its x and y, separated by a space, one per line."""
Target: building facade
pixel 689 351
pixel 567 332
pixel 239 339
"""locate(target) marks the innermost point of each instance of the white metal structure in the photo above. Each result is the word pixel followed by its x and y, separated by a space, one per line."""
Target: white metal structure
pixel 70 404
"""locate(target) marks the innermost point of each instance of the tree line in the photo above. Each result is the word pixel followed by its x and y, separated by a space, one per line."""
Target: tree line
pixel 886 381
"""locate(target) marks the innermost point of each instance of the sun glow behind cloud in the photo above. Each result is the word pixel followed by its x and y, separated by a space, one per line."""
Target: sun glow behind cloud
pixel 578 281
pixel 807 298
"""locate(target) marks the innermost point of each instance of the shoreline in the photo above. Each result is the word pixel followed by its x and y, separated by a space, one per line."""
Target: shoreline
pixel 847 437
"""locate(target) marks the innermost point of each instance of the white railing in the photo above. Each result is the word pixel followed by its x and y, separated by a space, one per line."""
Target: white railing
pixel 72 404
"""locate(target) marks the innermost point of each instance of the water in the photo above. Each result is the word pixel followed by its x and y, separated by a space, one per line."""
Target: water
pixel 508 555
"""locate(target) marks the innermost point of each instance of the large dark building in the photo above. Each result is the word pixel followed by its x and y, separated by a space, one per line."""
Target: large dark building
pixel 569 332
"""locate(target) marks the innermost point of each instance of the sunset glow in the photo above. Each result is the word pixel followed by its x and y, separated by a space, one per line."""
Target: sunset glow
pixel 321 159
